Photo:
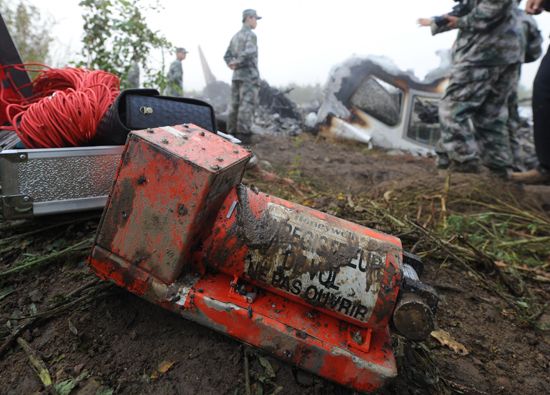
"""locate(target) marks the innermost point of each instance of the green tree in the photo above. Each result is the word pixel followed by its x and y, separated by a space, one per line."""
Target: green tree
pixel 116 36
pixel 29 30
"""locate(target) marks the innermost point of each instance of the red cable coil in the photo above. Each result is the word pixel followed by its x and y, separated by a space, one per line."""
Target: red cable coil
pixel 65 108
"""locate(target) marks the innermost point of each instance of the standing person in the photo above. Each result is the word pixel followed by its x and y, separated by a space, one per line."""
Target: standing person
pixel 486 62
pixel 541 113
pixel 175 75
pixel 242 57
pixel 531 50
pixel 133 75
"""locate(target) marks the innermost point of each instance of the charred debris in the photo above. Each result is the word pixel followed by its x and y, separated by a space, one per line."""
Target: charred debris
pixel 369 100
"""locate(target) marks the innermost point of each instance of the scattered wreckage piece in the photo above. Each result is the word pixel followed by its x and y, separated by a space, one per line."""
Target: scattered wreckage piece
pixel 314 290
pixel 370 100
pixel 275 113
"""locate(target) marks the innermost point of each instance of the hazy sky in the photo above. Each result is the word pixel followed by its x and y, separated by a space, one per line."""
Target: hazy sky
pixel 299 41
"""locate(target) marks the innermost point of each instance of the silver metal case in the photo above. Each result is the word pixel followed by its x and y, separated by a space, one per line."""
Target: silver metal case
pixel 36 182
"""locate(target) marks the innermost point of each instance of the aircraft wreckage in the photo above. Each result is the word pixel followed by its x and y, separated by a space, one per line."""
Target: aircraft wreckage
pixel 372 101
pixel 366 99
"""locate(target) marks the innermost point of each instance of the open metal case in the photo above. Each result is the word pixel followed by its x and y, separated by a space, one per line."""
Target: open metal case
pixel 47 181
pixel 56 180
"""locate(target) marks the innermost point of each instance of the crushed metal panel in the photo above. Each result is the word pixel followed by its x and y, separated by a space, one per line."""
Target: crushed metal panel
pixel 372 101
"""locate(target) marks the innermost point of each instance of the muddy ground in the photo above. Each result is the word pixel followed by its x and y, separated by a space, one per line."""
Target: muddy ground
pixel 110 341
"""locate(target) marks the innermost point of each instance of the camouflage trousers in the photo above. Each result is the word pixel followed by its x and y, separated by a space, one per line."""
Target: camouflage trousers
pixel 513 124
pixel 474 114
pixel 244 96
pixel 524 156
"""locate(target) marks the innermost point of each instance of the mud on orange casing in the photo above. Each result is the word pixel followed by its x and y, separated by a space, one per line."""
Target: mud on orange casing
pixel 181 231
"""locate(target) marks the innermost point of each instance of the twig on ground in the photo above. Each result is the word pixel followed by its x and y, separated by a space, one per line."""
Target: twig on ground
pixel 45 259
pixel 37 363
pixel 46 228
pixel 94 288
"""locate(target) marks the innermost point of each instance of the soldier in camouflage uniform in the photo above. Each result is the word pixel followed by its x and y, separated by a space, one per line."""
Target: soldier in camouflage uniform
pixel 531 50
pixel 541 115
pixel 133 75
pixel 174 85
pixel 242 57
pixel 473 111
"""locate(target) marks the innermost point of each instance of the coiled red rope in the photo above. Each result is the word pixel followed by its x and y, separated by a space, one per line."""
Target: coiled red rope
pixel 65 108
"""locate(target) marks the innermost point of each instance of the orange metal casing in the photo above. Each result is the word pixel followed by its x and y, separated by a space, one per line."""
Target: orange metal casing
pixel 173 232
pixel 158 207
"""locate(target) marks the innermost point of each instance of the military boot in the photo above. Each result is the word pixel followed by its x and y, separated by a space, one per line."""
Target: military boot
pixel 538 175
pixel 500 172
pixel 471 166
pixel 442 161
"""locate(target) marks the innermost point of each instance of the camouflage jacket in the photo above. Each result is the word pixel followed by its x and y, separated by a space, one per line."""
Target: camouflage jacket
pixel 243 52
pixel 531 39
pixel 133 75
pixel 489 35
pixel 175 79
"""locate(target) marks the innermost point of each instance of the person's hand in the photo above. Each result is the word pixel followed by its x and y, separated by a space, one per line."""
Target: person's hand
pixel 424 21
pixel 534 6
pixel 452 21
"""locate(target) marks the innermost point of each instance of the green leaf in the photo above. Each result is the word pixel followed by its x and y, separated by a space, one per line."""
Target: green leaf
pixel 65 387
pixel 4 293
pixel 104 391
pixel 268 369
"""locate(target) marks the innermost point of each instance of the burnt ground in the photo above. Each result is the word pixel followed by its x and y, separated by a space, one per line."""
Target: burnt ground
pixel 109 341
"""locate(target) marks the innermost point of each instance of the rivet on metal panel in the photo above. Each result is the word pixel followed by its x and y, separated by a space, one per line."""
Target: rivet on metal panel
pixel 141 180
pixel 219 159
pixel 26 198
pixel 185 137
pixel 202 133
pixel 182 210
pixel 357 338
pixel 164 141
pixel 215 167
pixel 235 151
pixel 150 131
pixel 186 126
pixel 22 156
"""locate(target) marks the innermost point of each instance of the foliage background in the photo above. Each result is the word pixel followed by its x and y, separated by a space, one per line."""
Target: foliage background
pixel 30 30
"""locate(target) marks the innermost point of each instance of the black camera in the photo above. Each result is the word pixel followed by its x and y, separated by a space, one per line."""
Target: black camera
pixel 462 8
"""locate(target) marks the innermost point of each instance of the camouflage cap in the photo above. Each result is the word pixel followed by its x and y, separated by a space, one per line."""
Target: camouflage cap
pixel 181 50
pixel 250 12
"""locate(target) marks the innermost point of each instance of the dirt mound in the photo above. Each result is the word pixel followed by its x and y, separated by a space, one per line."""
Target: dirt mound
pixel 484 243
